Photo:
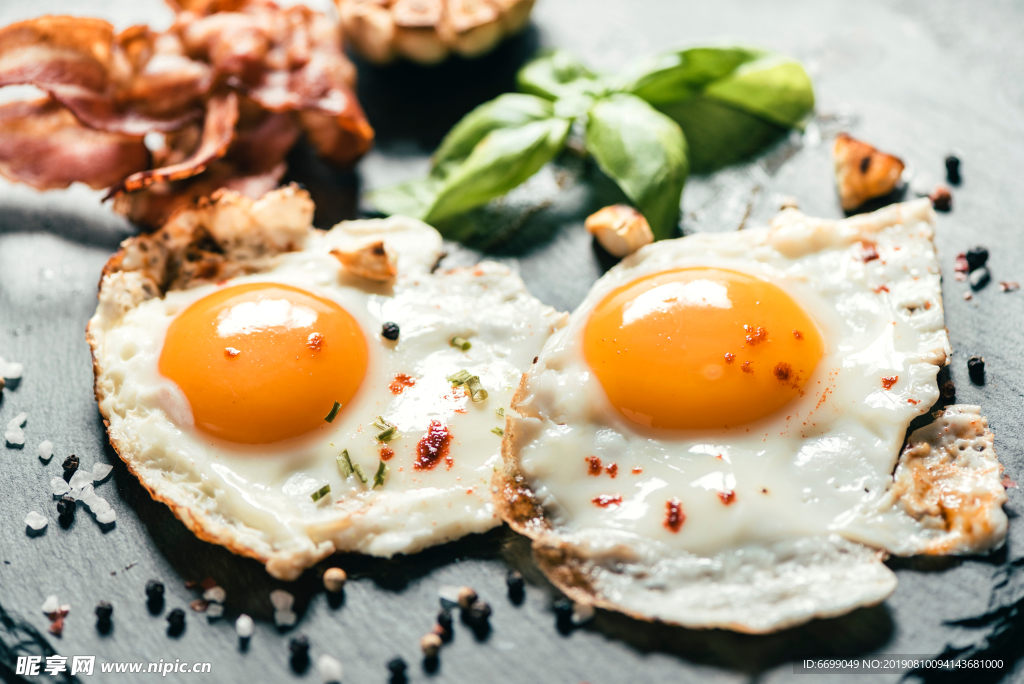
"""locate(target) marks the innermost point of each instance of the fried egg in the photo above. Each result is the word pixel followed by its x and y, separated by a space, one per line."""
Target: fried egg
pixel 248 380
pixel 714 439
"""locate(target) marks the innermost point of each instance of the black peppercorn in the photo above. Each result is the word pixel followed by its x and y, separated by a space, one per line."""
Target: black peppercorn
pixel 155 595
pixel 979 278
pixel 390 331
pixel 953 169
pixel 176 622
pixel 976 369
pixel 516 586
pixel 478 613
pixel 65 510
pixel 397 668
pixel 299 648
pixel 948 390
pixel 104 611
pixel 976 257
pixel 563 615
pixel 444 620
pixel 70 466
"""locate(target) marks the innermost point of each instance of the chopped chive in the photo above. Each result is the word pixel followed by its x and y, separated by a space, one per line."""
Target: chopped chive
pixel 476 392
pixel 388 431
pixel 345 464
pixel 382 472
pixel 359 472
pixel 460 377
pixel 321 493
pixel 334 412
pixel 498 431
pixel 500 411
pixel 461 342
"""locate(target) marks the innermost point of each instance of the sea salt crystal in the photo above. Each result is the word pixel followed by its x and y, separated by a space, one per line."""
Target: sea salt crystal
pixel 281 599
pixel 107 517
pixel 99 505
pixel 36 521
pixel 84 494
pixel 329 668
pixel 59 486
pixel 285 618
pixel 80 479
pixel 14 435
pixel 214 611
pixel 582 613
pixel 17 421
pixel 215 594
pixel 10 370
pixel 100 471
pixel 449 596
pixel 46 450
pixel 243 626
pixel 51 605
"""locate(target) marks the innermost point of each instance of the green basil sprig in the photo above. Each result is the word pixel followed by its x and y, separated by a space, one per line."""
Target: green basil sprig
pixel 698 108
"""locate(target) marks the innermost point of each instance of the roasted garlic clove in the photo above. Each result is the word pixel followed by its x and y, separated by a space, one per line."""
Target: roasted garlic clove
pixel 373 261
pixel 620 229
pixel 862 172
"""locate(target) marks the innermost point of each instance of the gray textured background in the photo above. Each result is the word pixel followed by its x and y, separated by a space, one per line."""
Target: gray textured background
pixel 917 78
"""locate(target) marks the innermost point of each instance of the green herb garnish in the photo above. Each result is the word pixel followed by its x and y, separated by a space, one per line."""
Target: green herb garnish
pixel 345 464
pixel 459 378
pixel 500 411
pixel 646 128
pixel 476 391
pixel 498 431
pixel 334 412
pixel 321 493
pixel 358 469
pixel 387 430
pixel 382 472
pixel 461 343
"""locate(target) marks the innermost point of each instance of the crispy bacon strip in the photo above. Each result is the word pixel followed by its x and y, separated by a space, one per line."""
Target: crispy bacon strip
pixel 218 132
pixel 135 82
pixel 44 145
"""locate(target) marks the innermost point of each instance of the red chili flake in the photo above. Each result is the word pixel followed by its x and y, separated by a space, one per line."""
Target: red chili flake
pixel 57 626
pixel 593 465
pixel 386 453
pixel 199 605
pixel 746 367
pixel 433 447
pixel 915 402
pixel 756 335
pixel 727 497
pixel 637 470
pixel 674 516
pixel 729 358
pixel 612 469
pixel 400 382
pixel 1009 286
pixel 315 341
pixel 1008 483
pixel 606 500
pixel 783 371
pixel 961 265
pixel 868 252
pixel 208 583
pixel 798 335
pixel 889 381
pixel 881 288
pixel 231 352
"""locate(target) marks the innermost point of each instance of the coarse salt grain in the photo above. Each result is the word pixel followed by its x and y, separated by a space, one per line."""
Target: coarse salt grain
pixel 99 505
pixel 14 435
pixel 449 596
pixel 281 599
pixel 214 611
pixel 582 613
pixel 106 517
pixel 36 521
pixel 329 668
pixel 80 479
pixel 59 486
pixel 46 450
pixel 100 471
pixel 51 605
pixel 10 369
pixel 244 626
pixel 285 618
pixel 215 594
pixel 17 421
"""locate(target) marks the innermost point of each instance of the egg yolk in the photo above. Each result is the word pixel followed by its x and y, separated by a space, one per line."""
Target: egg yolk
pixel 701 348
pixel 264 362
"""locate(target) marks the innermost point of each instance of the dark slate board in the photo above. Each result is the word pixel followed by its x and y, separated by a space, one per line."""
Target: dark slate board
pixel 917 78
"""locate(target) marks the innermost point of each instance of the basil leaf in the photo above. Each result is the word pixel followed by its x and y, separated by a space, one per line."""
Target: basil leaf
pixel 411 199
pixel 505 111
pixel 643 151
pixel 502 160
pixel 555 75
pixel 718 135
pixel 773 88
pixel 674 76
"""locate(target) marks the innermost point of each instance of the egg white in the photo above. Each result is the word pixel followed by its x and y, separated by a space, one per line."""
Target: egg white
pixel 257 499
pixel 812 482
